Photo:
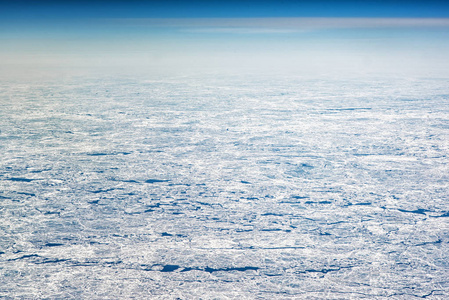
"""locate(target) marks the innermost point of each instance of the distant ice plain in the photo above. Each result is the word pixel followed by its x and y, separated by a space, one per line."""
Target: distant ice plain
pixel 224 188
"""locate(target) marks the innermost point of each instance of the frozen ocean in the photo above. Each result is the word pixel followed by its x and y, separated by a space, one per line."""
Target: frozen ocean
pixel 224 187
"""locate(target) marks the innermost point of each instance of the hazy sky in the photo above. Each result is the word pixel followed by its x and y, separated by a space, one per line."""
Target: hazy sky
pixel 301 36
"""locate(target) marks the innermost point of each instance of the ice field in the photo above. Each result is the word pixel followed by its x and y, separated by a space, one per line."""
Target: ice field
pixel 224 187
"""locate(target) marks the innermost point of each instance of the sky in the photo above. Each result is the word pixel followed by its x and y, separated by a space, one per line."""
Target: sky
pixel 300 36
pixel 34 10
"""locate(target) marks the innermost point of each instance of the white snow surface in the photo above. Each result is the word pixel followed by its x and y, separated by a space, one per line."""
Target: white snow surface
pixel 224 187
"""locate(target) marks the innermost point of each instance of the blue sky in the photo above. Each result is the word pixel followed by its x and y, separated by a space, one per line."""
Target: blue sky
pixel 305 35
pixel 243 8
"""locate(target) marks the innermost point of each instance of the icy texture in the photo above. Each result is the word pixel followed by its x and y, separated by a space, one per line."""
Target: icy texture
pixel 224 187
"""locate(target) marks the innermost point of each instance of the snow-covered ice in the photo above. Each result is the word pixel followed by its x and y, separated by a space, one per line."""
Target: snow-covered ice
pixel 243 187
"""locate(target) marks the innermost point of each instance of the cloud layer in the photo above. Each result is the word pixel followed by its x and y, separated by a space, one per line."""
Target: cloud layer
pixel 282 24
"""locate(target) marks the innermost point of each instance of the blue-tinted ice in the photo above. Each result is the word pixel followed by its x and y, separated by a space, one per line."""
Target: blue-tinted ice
pixel 214 187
